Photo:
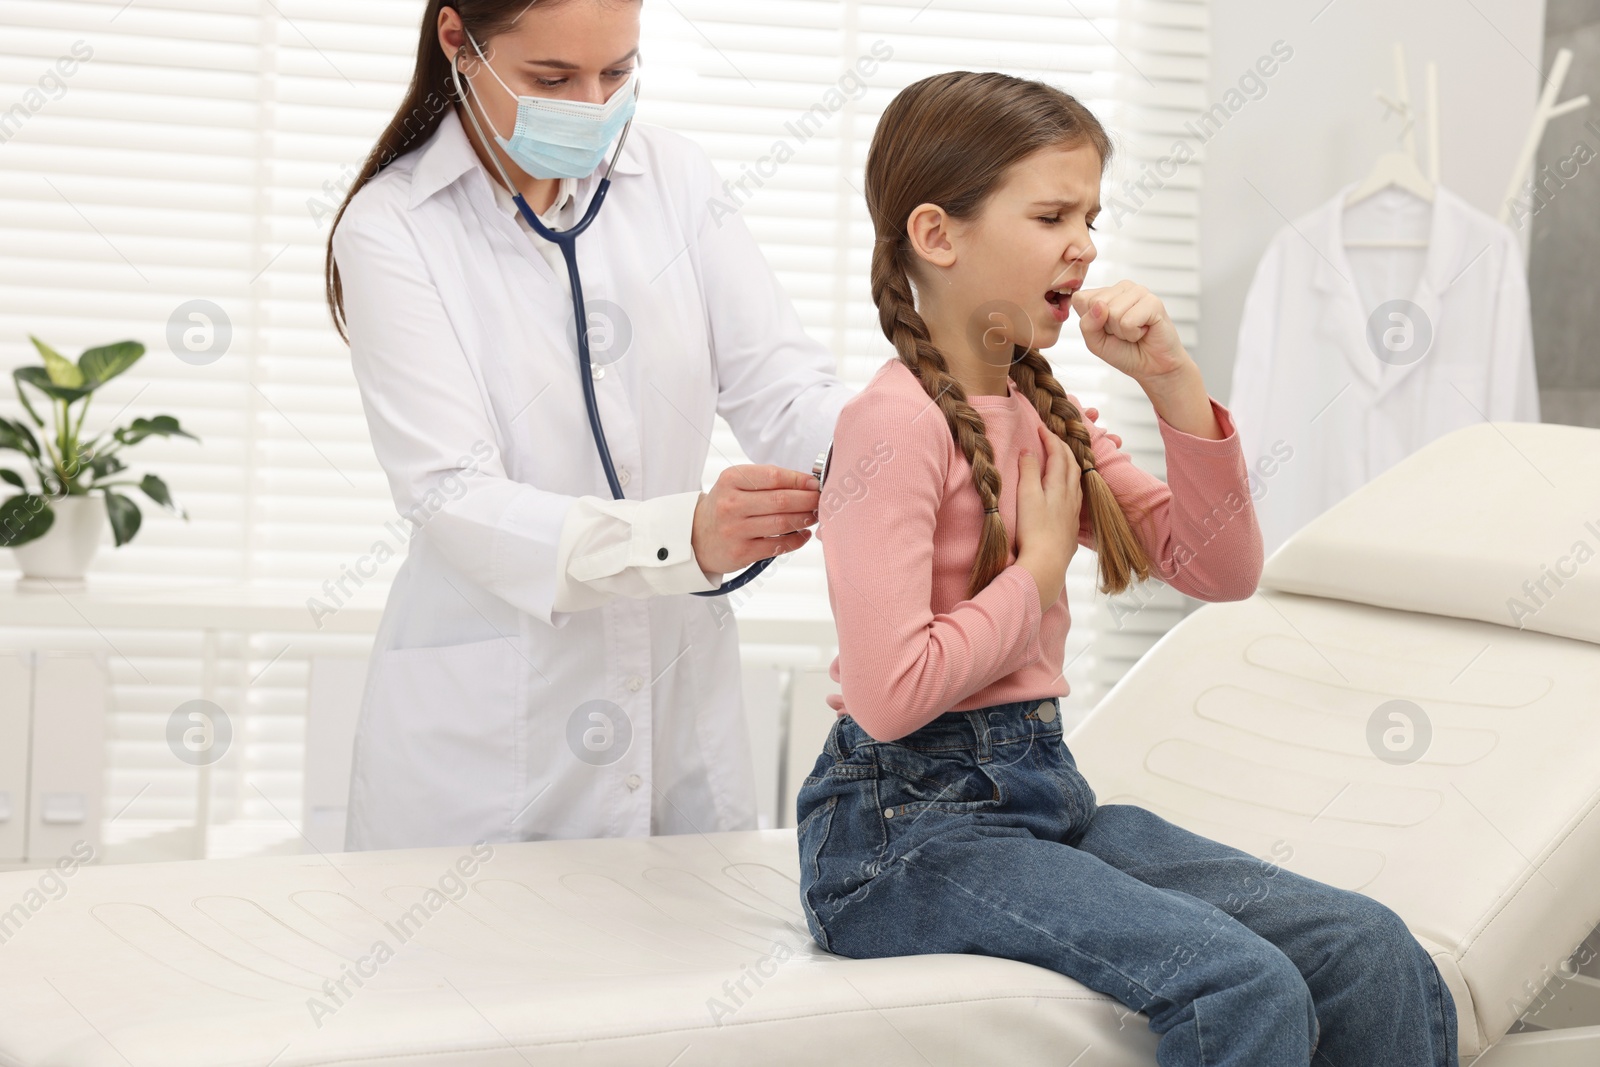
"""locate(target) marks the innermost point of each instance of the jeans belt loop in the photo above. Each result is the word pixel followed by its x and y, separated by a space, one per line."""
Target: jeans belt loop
pixel 980 729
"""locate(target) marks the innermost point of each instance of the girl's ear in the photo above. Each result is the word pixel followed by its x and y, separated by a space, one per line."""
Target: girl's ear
pixel 928 228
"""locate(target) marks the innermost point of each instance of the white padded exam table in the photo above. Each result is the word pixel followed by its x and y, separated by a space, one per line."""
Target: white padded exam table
pixel 1247 722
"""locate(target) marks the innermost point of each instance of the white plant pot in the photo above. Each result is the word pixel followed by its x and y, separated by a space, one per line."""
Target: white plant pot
pixel 60 558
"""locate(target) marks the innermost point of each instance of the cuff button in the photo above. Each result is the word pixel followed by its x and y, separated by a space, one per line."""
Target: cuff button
pixel 661 553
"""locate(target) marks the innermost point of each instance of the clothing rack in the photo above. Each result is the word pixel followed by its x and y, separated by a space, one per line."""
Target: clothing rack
pixel 1547 110
pixel 1399 168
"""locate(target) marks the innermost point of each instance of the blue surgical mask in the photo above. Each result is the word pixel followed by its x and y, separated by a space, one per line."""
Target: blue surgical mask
pixel 564 138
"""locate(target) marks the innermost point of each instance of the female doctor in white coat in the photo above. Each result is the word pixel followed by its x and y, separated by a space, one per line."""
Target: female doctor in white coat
pixel 541 670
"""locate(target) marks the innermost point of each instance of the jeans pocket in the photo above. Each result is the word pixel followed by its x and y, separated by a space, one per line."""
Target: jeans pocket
pixel 952 780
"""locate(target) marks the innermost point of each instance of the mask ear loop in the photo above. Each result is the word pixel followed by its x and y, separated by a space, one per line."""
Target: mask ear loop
pixel 485 59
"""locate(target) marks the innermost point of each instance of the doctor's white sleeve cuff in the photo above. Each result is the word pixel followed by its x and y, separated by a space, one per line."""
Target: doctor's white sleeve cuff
pixel 632 548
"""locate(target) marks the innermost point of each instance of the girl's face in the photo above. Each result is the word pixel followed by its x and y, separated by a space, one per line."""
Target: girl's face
pixel 581 50
pixel 1033 236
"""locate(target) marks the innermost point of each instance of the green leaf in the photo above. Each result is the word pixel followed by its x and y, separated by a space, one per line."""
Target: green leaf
pixel 104 465
pixel 124 515
pixel 62 371
pixel 161 425
pixel 14 478
pixel 17 435
pixel 157 490
pixel 17 380
pixel 39 378
pixel 23 518
pixel 100 365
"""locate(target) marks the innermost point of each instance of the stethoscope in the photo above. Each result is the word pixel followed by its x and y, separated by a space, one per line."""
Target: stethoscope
pixel 568 241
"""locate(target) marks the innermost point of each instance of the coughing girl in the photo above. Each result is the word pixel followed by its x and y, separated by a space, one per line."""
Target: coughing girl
pixel 945 813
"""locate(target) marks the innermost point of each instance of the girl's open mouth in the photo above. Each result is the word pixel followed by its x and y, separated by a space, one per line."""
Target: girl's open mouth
pixel 1060 300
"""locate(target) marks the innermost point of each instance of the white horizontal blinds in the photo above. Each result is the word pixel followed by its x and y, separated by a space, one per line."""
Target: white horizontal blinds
pixel 764 79
pixel 185 161
pixel 1151 211
pixel 198 154
pixel 337 74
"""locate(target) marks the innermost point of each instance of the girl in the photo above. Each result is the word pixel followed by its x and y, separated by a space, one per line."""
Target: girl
pixel 946 814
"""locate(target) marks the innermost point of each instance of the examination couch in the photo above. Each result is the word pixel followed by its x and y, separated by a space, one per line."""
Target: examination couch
pixel 1408 707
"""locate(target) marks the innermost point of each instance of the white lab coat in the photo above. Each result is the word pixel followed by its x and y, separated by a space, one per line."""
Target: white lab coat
pixel 528 594
pixel 1318 413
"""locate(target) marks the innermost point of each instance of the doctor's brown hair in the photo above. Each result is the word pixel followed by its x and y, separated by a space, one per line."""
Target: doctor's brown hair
pixel 431 91
pixel 949 140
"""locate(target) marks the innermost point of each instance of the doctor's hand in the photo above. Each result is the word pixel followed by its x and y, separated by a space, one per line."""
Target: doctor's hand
pixel 1128 327
pixel 754 511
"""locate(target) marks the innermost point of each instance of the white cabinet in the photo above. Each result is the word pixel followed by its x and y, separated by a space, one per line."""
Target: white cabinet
pixel 52 753
pixel 16 702
pixel 333 706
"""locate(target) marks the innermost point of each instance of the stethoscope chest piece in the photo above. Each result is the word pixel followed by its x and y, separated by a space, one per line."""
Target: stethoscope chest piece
pixel 819 469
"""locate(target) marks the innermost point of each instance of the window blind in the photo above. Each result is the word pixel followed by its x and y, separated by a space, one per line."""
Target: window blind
pixel 169 171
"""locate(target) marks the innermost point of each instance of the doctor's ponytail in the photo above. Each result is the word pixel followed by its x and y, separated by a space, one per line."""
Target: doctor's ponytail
pixel 948 140
pixel 432 90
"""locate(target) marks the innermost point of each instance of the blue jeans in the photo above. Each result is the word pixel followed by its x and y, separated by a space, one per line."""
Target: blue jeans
pixel 976 833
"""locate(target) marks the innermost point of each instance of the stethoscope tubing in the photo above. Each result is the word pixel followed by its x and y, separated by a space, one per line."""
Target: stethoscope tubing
pixel 567 241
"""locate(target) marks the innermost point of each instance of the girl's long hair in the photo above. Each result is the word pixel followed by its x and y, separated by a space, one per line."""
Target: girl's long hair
pixel 948 140
pixel 431 91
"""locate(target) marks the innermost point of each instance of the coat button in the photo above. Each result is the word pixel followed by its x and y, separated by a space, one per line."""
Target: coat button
pixel 661 553
pixel 633 781
pixel 1046 711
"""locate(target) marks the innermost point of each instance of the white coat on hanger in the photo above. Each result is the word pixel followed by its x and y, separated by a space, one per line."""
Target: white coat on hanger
pixel 1319 413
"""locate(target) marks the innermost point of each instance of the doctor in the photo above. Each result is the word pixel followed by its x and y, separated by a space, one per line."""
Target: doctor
pixel 541 670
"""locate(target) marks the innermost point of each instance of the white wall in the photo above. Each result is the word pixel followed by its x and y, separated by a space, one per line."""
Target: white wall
pixel 1318 125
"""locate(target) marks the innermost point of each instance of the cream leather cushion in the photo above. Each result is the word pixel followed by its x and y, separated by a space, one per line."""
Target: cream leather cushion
pixel 1497 521
pixel 1380 632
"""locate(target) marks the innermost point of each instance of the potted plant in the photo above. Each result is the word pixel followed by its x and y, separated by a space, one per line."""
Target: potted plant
pixel 56 528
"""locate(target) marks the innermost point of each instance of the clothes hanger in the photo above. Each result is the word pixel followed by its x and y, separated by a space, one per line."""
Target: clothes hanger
pixel 1399 168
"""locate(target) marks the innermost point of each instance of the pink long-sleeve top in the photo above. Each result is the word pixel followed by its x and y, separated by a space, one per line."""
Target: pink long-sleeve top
pixel 900 519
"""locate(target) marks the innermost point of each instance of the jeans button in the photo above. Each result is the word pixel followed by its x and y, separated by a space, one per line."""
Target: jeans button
pixel 1046 711
pixel 888 813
